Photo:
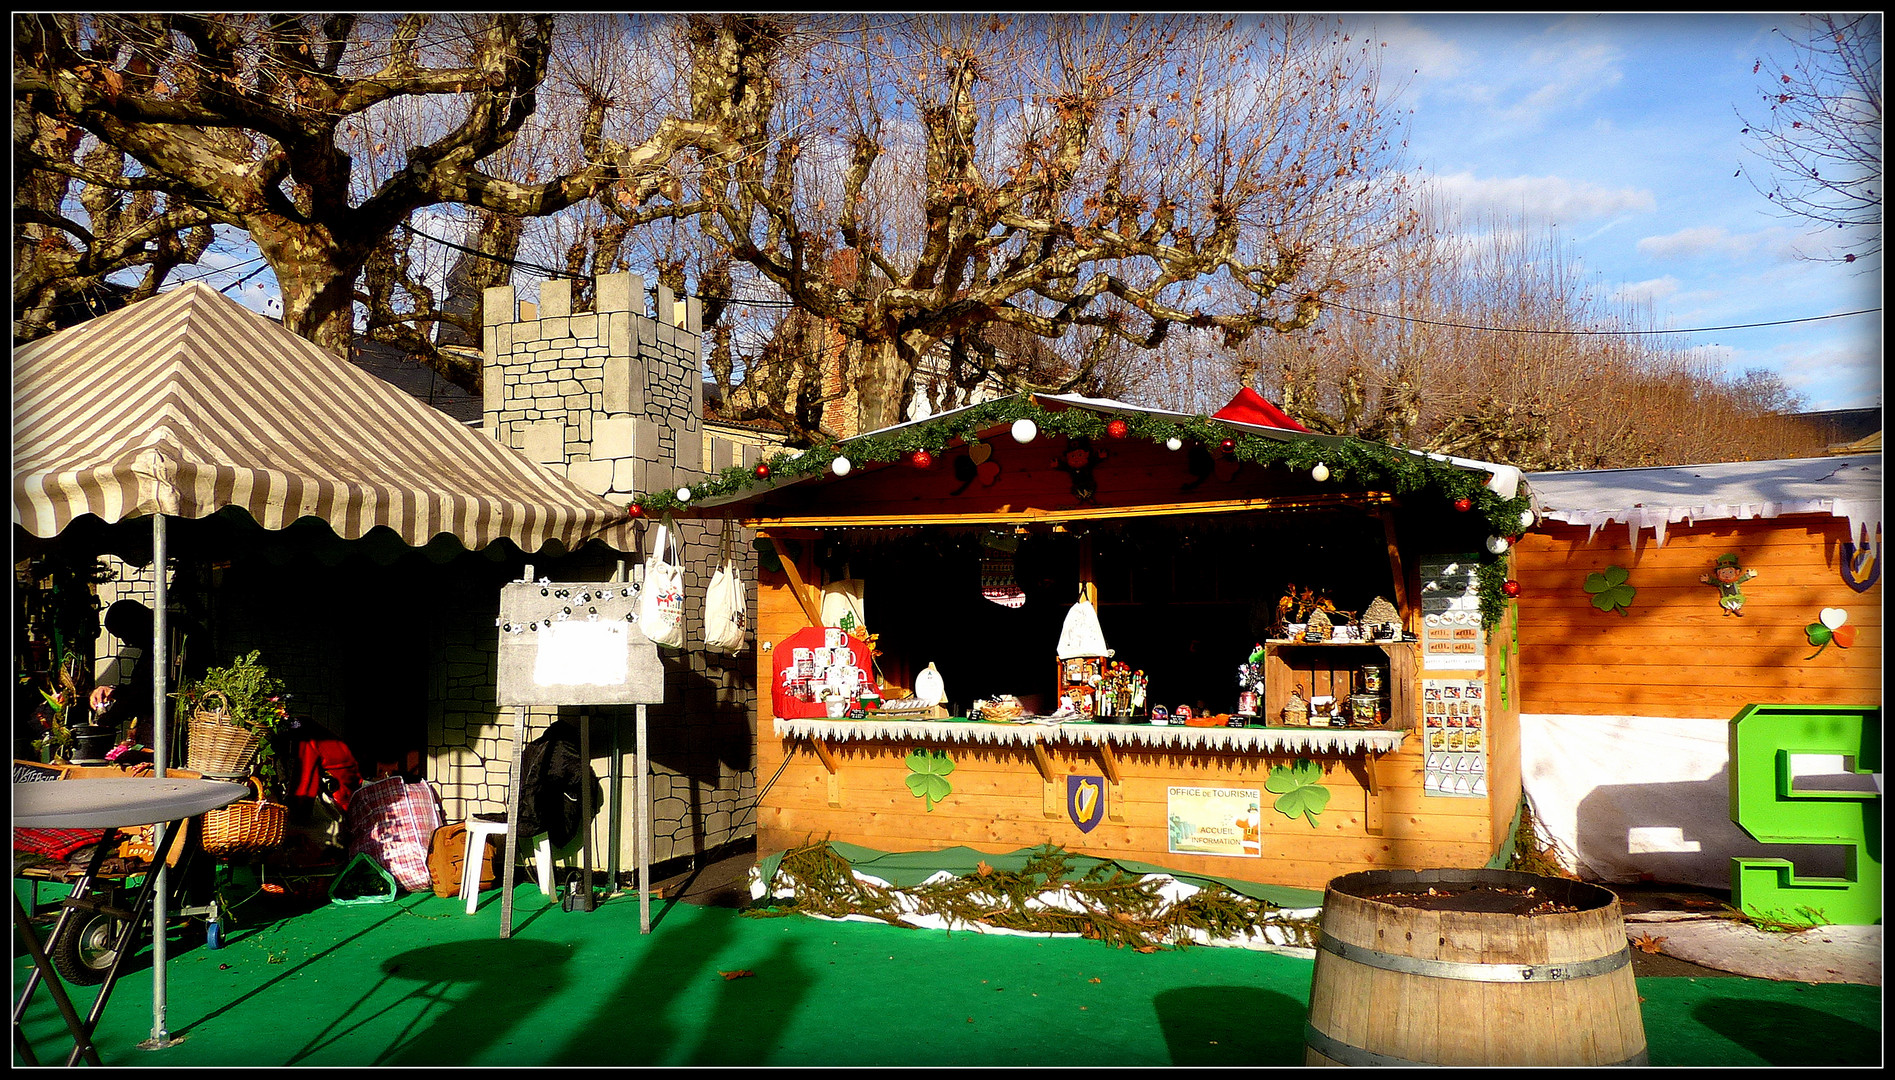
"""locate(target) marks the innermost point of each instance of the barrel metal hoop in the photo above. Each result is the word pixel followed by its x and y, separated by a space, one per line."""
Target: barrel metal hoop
pixel 1320 1041
pixel 1494 973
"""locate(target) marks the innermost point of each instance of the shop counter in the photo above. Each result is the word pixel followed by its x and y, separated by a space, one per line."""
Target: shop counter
pixel 1276 805
pixel 1275 740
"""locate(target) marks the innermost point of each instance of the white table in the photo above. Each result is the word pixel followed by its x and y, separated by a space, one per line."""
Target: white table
pixel 109 803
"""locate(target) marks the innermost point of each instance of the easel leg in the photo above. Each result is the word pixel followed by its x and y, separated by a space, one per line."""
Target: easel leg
pixel 513 823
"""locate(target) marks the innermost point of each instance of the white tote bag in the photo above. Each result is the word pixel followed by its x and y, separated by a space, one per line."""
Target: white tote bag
pixel 661 596
pixel 724 614
pixel 842 600
pixel 1081 636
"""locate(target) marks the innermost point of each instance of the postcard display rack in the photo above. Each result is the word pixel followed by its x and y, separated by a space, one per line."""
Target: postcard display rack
pixel 1454 710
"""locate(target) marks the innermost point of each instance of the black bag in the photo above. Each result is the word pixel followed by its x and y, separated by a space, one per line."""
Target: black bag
pixel 550 774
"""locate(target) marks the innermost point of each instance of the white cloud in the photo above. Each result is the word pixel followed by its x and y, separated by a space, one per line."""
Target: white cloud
pixel 1418 52
pixel 1570 76
pixel 1716 242
pixel 1550 199
pixel 1647 292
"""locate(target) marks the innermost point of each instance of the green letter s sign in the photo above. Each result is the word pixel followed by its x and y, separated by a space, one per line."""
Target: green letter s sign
pixel 1765 804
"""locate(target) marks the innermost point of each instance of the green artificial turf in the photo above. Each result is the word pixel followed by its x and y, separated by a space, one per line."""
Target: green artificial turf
pixel 419 982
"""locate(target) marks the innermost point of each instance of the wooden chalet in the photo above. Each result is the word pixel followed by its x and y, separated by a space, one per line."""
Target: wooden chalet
pixel 970 536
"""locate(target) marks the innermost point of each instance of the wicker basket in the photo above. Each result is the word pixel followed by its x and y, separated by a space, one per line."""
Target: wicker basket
pixel 246 826
pixel 218 747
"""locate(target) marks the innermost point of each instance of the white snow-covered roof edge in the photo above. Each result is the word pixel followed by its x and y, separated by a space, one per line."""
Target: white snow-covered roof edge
pixel 1846 486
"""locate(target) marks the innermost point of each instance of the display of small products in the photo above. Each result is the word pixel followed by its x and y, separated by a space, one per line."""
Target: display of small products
pixel 1097 688
pixel 827 674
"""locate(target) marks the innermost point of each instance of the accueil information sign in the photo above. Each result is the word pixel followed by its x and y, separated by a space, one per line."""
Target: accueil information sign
pixel 1214 821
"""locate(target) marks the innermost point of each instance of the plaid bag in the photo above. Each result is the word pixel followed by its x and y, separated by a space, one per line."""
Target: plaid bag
pixel 391 821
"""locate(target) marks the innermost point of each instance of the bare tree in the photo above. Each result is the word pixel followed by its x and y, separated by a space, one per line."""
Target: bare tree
pixel 60 263
pixel 1820 134
pixel 1487 339
pixel 318 136
pixel 953 182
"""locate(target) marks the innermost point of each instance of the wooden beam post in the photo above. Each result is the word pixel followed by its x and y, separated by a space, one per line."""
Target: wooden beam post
pixel 797 588
pixel 1052 800
pixel 1109 765
pixel 828 758
pixel 1363 766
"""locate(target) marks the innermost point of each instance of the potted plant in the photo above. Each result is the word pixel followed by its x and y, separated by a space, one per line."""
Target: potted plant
pixel 235 711
pixel 60 725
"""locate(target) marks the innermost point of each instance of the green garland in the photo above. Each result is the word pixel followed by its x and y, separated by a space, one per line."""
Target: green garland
pixel 1104 903
pixel 1370 464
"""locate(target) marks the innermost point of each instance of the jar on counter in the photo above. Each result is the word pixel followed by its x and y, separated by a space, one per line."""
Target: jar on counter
pixel 1365 710
pixel 1374 678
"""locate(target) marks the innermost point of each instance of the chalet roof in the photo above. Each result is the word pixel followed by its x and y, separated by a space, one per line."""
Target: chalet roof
pixel 1504 480
pixel 1848 486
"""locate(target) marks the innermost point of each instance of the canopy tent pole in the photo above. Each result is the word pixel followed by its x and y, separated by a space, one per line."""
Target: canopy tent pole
pixel 160 761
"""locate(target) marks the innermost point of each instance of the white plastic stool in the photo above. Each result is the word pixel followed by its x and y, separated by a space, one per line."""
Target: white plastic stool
pixel 478 831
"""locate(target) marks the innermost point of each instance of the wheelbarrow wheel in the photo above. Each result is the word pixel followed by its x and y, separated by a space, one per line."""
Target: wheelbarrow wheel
pixel 85 952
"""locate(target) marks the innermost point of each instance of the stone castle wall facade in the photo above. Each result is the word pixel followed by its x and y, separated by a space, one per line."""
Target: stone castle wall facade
pixel 613 399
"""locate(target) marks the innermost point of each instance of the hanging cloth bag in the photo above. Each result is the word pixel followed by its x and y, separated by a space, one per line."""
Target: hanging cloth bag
pixel 724 604
pixel 842 604
pixel 661 596
pixel 1081 636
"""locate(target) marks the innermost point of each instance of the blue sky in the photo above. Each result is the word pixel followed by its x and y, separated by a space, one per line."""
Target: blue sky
pixel 1623 131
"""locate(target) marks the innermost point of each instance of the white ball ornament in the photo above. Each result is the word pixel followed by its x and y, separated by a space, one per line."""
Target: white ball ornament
pixel 1526 519
pixel 1497 544
pixel 840 466
pixel 1320 472
pixel 1024 430
pixel 684 494
pixel 1174 443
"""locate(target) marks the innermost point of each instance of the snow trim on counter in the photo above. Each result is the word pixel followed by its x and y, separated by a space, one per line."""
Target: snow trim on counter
pixel 1254 740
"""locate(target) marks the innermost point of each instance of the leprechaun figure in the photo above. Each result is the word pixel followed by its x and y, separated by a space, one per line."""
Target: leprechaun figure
pixel 1729 579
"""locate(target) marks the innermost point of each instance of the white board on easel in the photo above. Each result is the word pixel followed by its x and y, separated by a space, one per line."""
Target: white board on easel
pixel 576 643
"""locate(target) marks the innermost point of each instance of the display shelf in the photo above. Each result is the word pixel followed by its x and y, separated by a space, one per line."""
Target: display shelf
pixel 1295 740
pixel 1331 668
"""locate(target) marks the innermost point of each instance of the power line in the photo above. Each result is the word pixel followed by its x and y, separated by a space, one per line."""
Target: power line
pixel 1604 333
pixel 552 273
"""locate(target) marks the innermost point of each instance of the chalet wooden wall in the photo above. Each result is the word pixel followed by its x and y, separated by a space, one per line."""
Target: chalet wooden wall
pixel 1000 802
pixel 1676 653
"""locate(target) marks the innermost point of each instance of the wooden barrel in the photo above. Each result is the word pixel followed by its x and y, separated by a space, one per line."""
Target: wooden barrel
pixel 1432 980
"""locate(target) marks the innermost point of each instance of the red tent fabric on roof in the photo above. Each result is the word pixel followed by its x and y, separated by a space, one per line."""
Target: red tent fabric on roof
pixel 1249 407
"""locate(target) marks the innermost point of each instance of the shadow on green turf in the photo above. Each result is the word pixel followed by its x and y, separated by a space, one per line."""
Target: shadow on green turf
pixel 1231 1025
pixel 1781 1033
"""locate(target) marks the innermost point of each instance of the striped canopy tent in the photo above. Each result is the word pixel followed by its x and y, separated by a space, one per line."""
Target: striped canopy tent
pixel 187 403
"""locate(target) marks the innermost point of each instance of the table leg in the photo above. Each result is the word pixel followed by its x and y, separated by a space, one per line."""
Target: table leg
pixel 43 969
pixel 129 937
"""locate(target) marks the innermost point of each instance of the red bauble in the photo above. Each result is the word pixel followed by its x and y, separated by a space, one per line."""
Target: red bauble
pixel 635 510
pixel 1464 505
pixel 1227 445
pixel 921 459
pixel 1118 429
pixel 762 471
pixel 1510 587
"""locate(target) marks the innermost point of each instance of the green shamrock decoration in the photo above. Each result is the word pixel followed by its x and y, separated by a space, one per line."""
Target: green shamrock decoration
pixel 929 779
pixel 1609 590
pixel 1831 628
pixel 1299 789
